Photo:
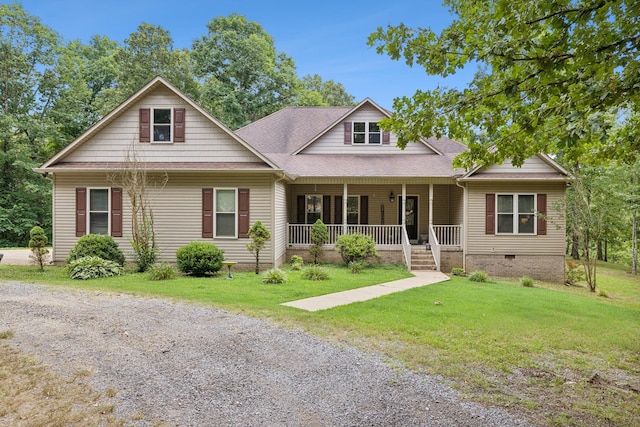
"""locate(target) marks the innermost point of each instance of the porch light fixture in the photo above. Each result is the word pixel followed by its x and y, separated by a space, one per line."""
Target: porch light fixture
pixel 391 197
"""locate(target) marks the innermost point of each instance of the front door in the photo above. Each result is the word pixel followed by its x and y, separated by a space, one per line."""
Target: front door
pixel 411 216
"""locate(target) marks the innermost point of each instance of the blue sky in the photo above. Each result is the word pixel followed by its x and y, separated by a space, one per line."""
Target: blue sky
pixel 323 37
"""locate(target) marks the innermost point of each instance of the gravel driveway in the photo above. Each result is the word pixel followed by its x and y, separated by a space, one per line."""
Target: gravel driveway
pixel 188 365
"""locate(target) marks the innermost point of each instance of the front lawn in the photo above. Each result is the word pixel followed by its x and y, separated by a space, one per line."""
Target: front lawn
pixel 560 356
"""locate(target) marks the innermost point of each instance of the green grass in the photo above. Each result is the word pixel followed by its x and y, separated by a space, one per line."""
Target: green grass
pixel 533 350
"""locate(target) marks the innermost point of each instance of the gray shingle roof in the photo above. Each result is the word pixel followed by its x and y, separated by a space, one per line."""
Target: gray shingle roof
pixel 280 134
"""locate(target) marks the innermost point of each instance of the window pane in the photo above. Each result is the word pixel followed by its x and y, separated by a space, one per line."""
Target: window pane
pixel 99 223
pixel 505 204
pixel 162 133
pixel 359 127
pixel 312 217
pixel 314 204
pixel 358 138
pixel 99 200
pixel 373 127
pixel 162 116
pixel 353 208
pixel 525 223
pixel 374 138
pixel 525 204
pixel 226 224
pixel 226 201
pixel 505 223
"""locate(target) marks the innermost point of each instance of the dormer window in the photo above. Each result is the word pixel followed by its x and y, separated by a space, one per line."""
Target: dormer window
pixel 366 133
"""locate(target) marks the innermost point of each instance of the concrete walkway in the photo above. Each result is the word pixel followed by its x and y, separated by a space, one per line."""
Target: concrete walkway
pixel 323 302
pixel 16 256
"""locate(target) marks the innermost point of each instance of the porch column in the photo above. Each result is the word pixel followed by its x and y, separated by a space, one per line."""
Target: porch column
pixel 345 194
pixel 430 205
pixel 404 205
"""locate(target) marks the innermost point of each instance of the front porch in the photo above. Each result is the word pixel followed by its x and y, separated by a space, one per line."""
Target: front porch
pixel 389 239
pixel 397 213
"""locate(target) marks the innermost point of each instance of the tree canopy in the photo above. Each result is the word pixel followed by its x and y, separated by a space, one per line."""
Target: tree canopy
pixel 550 74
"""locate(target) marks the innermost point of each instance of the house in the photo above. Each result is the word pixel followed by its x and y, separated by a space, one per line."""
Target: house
pixel 298 165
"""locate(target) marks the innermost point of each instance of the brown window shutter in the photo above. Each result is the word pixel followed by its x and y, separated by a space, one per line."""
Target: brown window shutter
pixel 243 212
pixel 337 212
pixel 178 124
pixel 347 133
pixel 490 217
pixel 145 125
pixel 364 210
pixel 542 210
pixel 386 137
pixel 116 212
pixel 300 210
pixel 326 209
pixel 207 212
pixel 81 212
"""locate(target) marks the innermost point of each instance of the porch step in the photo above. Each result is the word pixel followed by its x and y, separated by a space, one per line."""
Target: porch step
pixel 422 259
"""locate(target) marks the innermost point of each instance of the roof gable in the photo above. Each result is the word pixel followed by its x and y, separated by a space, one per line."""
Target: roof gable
pixel 538 167
pixel 108 139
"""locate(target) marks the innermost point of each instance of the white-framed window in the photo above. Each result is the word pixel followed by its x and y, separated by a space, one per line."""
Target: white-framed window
pixel 515 214
pixel 313 208
pixel 98 210
pixel 161 124
pixel 353 209
pixel 366 133
pixel 226 212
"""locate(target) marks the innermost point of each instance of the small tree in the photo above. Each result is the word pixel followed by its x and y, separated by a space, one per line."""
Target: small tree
pixel 38 242
pixel 259 234
pixel 319 236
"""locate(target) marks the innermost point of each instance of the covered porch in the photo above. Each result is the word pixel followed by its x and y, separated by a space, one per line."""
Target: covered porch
pixel 396 215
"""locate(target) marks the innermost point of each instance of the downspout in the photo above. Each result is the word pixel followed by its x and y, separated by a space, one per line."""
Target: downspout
pixel 273 215
pixel 464 224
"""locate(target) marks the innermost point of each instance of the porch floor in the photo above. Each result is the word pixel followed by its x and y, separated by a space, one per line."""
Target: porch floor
pixel 323 302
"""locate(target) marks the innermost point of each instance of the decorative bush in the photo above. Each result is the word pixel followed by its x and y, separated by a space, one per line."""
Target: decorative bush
pixel 478 276
pixel 571 273
pixel 93 267
pixel 97 245
pixel 275 276
pixel 319 235
pixel 356 267
pixel 296 263
pixel 356 247
pixel 199 258
pixel 526 281
pixel 37 243
pixel 457 271
pixel 315 273
pixel 259 234
pixel 161 271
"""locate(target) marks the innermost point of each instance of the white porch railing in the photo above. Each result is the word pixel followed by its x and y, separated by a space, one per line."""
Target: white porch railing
pixel 406 248
pixel 435 246
pixel 447 235
pixel 383 235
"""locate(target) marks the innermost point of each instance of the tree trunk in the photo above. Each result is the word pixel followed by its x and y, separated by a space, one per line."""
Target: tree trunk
pixel 599 254
pixel 634 245
pixel 575 246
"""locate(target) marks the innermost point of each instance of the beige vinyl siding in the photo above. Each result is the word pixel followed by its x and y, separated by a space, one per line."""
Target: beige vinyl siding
pixel 480 243
pixel 333 141
pixel 280 218
pixel 532 165
pixel 456 205
pixel 204 141
pixel 177 210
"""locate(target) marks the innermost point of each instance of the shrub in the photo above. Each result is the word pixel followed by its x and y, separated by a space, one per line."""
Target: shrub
pixel 478 276
pixel 37 243
pixel 457 271
pixel 144 255
pixel 93 267
pixel 315 272
pixel 296 263
pixel 97 245
pixel 275 276
pixel 199 258
pixel 259 234
pixel 571 273
pixel 356 247
pixel 526 281
pixel 356 267
pixel 603 293
pixel 161 271
pixel 319 235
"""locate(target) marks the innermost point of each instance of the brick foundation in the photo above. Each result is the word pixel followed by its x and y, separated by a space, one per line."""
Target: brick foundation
pixel 542 267
pixel 331 256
